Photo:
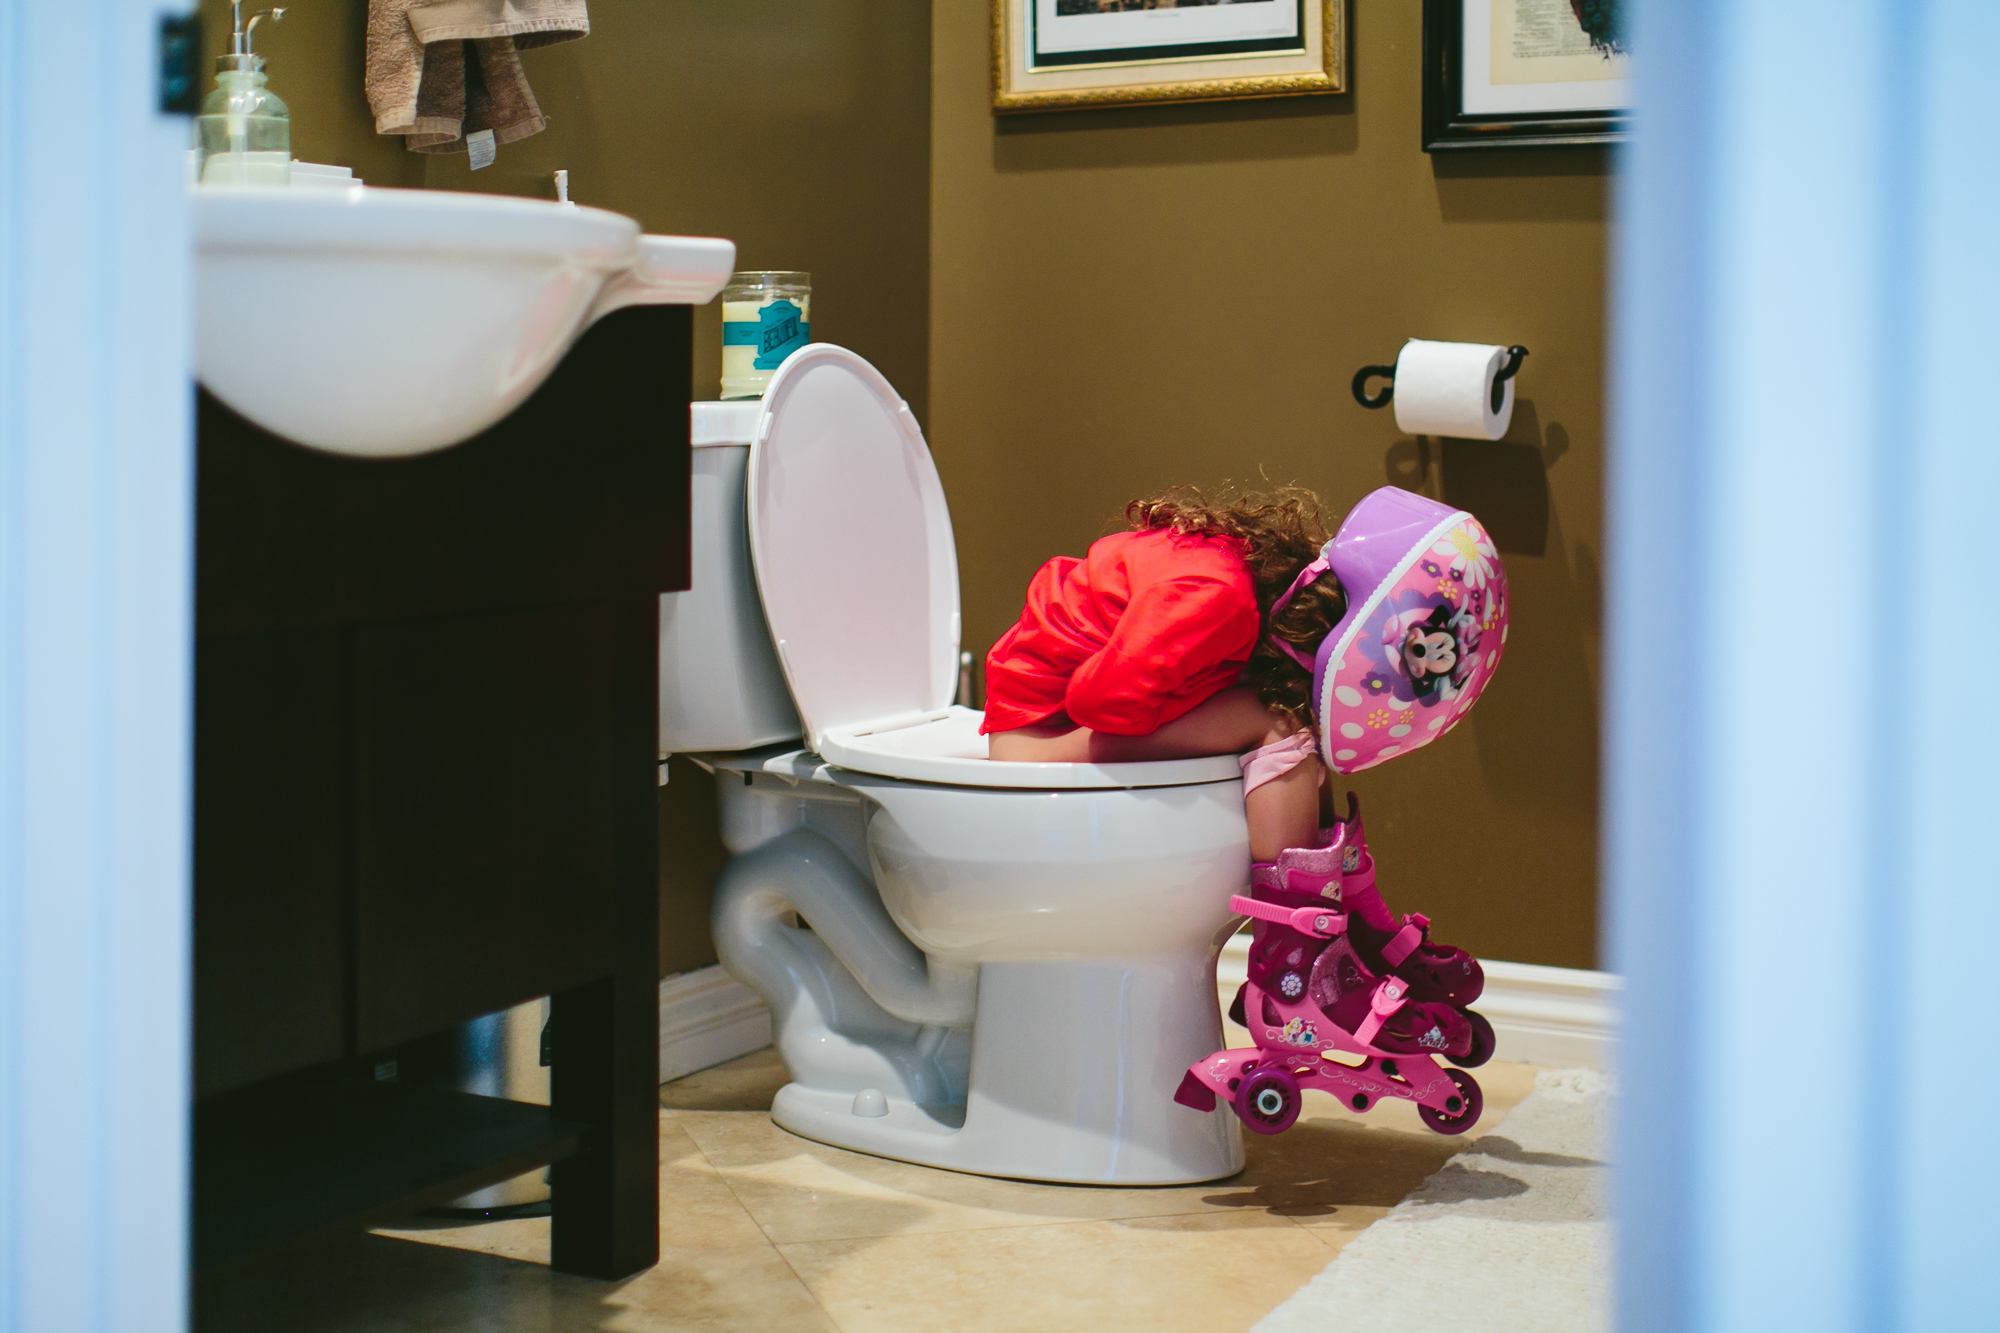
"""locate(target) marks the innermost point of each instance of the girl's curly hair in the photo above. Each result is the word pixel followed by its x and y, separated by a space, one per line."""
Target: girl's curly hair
pixel 1280 532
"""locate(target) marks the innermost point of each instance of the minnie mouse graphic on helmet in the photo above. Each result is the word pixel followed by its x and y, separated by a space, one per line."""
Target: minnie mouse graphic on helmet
pixel 1435 651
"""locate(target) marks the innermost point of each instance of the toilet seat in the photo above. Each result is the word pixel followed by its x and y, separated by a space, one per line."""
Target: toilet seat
pixel 948 749
pixel 851 541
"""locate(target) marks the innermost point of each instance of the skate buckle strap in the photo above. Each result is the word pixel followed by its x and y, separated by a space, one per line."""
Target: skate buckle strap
pixel 1317 922
pixel 1386 1000
pixel 1405 941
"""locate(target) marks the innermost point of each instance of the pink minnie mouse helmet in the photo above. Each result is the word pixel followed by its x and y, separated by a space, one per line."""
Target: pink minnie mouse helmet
pixel 1426 621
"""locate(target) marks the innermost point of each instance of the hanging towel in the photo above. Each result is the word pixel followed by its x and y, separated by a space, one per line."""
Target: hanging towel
pixel 443 69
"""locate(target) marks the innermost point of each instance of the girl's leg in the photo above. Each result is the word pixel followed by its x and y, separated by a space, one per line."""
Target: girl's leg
pixel 1282 813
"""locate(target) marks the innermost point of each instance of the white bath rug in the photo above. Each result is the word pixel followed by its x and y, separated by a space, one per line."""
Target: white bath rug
pixel 1510 1235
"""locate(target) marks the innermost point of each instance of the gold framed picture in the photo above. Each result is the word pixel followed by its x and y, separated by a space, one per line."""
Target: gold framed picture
pixel 1054 55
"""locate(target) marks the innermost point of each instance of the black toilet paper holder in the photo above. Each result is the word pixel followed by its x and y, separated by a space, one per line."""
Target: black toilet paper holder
pixel 1386 394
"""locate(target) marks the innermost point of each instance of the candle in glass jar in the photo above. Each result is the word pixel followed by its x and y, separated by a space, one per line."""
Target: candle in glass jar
pixel 765 318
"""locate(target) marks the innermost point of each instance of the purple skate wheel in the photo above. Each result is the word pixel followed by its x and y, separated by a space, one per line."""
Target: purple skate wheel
pixel 1269 1100
pixel 1449 1121
pixel 1483 1042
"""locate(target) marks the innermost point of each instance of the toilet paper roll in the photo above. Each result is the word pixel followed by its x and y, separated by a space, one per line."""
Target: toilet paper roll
pixel 1447 389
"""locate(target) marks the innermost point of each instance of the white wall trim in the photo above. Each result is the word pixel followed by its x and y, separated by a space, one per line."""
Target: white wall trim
pixel 706 1018
pixel 1557 1016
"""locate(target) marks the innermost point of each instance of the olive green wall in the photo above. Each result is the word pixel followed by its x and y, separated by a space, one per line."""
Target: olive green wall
pixel 1111 301
pixel 1122 299
pixel 800 131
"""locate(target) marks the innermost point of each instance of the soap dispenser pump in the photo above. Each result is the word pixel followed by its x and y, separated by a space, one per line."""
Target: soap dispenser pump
pixel 243 135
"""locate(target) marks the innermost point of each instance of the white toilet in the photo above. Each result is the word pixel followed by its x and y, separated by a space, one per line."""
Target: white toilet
pixel 995 968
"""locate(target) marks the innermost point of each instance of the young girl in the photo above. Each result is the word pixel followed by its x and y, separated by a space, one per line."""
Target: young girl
pixel 1155 646
pixel 1203 631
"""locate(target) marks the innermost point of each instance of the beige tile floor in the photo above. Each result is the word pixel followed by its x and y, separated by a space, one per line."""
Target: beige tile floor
pixel 761 1230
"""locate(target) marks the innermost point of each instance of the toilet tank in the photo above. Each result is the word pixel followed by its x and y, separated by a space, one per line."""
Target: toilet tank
pixel 720 685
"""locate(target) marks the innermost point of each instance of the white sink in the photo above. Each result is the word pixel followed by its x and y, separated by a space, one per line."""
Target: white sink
pixel 385 323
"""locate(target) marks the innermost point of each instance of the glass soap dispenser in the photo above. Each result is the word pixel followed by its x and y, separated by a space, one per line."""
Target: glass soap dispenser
pixel 243 135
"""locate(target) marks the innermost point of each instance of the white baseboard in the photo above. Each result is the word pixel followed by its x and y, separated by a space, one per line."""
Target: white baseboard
pixel 1557 1016
pixel 706 1018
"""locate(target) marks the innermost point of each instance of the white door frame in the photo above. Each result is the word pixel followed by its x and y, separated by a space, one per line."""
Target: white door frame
pixel 96 523
pixel 1800 717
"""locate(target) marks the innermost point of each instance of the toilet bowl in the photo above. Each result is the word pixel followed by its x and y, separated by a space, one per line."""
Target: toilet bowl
pixel 999 968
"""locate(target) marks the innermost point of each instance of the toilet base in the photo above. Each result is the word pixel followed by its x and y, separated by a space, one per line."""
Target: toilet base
pixel 930 1136
pixel 1073 1071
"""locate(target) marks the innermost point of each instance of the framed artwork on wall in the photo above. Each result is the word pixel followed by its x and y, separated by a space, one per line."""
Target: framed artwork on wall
pixel 1054 55
pixel 1524 73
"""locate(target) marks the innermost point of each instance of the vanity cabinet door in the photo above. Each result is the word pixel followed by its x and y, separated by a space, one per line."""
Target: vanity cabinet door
pixel 269 920
pixel 486 838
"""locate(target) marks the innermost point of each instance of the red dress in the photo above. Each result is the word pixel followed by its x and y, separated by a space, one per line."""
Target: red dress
pixel 1141 630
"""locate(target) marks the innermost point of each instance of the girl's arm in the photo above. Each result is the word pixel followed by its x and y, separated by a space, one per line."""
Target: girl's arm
pixel 1178 641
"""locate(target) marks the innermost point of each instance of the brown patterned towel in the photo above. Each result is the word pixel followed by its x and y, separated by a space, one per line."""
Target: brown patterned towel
pixel 439 70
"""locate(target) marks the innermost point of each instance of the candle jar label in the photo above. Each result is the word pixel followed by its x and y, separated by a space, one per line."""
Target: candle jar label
pixel 779 330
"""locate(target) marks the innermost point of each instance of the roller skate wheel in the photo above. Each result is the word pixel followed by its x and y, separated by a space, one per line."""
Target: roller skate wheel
pixel 1269 1101
pixel 1461 1112
pixel 1483 1041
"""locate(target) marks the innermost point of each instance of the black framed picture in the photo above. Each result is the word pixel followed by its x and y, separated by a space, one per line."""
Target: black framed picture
pixel 1524 73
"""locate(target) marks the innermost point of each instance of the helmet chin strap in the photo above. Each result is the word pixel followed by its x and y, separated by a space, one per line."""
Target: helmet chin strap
pixel 1291 651
pixel 1306 575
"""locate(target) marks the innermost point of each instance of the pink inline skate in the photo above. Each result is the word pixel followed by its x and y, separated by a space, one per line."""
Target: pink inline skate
pixel 1402 947
pixel 1431 973
pixel 1311 998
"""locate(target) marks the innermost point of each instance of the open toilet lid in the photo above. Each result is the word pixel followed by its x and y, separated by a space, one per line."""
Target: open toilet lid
pixel 852 545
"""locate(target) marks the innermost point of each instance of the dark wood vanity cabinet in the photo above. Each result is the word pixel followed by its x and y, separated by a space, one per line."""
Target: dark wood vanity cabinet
pixel 425 790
